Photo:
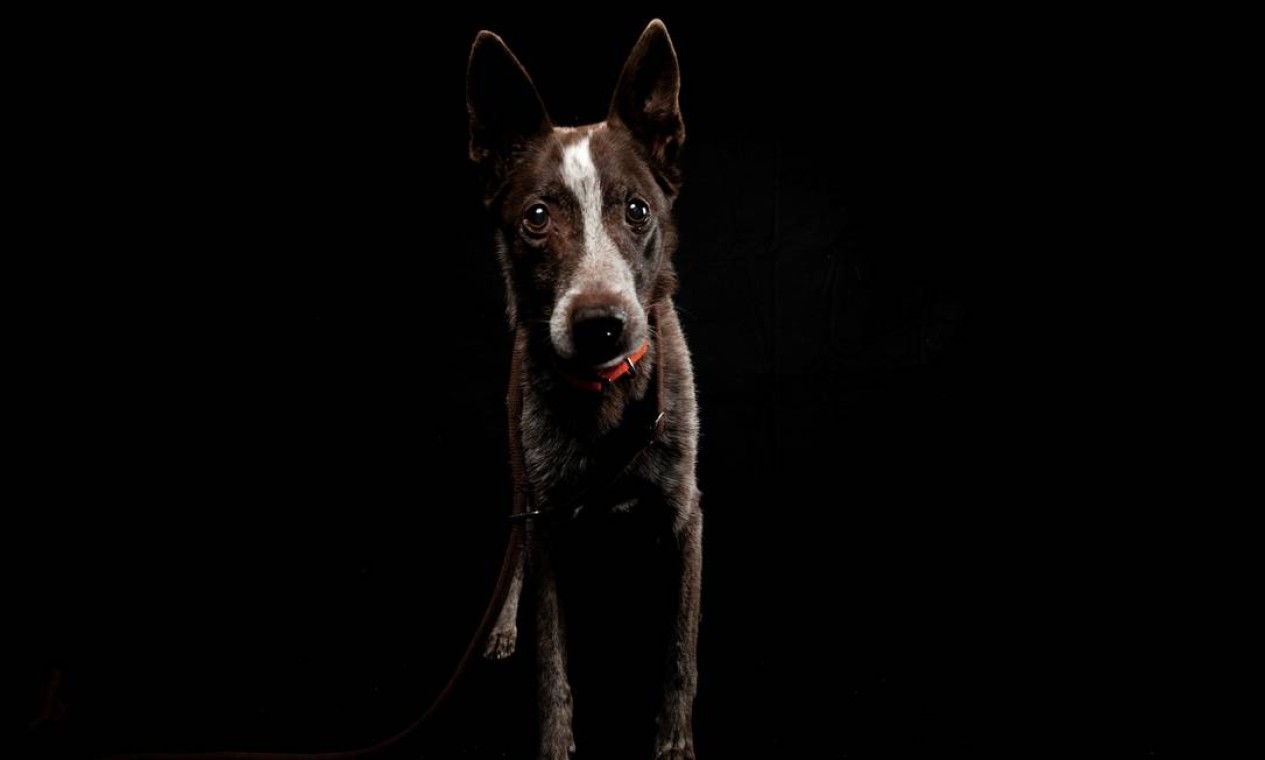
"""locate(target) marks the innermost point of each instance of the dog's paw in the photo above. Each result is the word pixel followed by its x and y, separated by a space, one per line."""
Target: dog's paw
pixel 675 744
pixel 501 643
pixel 559 746
pixel 563 752
pixel 557 741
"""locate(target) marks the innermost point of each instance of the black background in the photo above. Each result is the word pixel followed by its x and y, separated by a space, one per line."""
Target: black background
pixel 271 356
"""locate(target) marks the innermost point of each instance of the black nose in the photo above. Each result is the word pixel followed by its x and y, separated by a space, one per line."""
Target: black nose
pixel 598 335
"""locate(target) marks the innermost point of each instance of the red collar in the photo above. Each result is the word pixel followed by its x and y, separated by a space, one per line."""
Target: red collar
pixel 601 378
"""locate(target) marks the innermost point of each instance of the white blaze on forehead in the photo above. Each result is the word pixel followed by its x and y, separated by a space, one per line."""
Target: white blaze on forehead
pixel 580 176
pixel 601 268
pixel 578 170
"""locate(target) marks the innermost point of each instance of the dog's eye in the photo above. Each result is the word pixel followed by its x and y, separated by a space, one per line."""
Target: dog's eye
pixel 637 211
pixel 536 218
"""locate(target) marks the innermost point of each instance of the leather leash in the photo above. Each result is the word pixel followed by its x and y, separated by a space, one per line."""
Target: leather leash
pixel 519 516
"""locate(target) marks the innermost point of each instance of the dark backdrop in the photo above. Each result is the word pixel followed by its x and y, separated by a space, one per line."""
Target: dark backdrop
pixel 270 449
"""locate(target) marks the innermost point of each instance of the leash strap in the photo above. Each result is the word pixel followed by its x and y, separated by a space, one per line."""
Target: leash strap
pixel 519 515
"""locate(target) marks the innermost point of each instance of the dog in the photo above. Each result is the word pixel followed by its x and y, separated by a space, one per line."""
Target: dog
pixel 583 225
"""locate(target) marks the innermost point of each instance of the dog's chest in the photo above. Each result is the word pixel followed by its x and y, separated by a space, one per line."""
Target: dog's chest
pixel 590 487
pixel 571 476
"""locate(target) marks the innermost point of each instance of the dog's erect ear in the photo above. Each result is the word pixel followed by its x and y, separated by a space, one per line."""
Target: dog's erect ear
pixel 647 98
pixel 505 109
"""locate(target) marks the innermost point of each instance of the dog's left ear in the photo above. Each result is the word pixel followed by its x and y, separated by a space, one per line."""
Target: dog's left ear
pixel 506 113
pixel 647 101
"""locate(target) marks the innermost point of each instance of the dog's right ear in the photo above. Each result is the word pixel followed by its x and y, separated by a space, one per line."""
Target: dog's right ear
pixel 506 112
pixel 647 101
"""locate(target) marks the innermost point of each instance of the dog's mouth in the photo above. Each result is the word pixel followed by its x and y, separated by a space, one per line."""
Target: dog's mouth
pixel 598 377
pixel 619 360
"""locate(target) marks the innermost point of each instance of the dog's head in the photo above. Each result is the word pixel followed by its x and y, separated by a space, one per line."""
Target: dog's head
pixel 583 214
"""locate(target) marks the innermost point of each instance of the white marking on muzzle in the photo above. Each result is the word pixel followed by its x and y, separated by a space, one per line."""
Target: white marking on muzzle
pixel 601 269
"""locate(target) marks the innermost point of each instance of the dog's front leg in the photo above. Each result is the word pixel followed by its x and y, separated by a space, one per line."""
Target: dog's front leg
pixel 676 730
pixel 553 690
pixel 504 634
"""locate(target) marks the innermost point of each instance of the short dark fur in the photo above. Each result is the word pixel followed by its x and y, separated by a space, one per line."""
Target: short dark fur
pixel 635 154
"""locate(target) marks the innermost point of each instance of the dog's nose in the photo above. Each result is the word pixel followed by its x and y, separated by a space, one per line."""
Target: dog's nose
pixel 598 334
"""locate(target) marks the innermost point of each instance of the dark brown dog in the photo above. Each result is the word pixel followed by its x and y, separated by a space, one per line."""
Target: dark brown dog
pixel 583 219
